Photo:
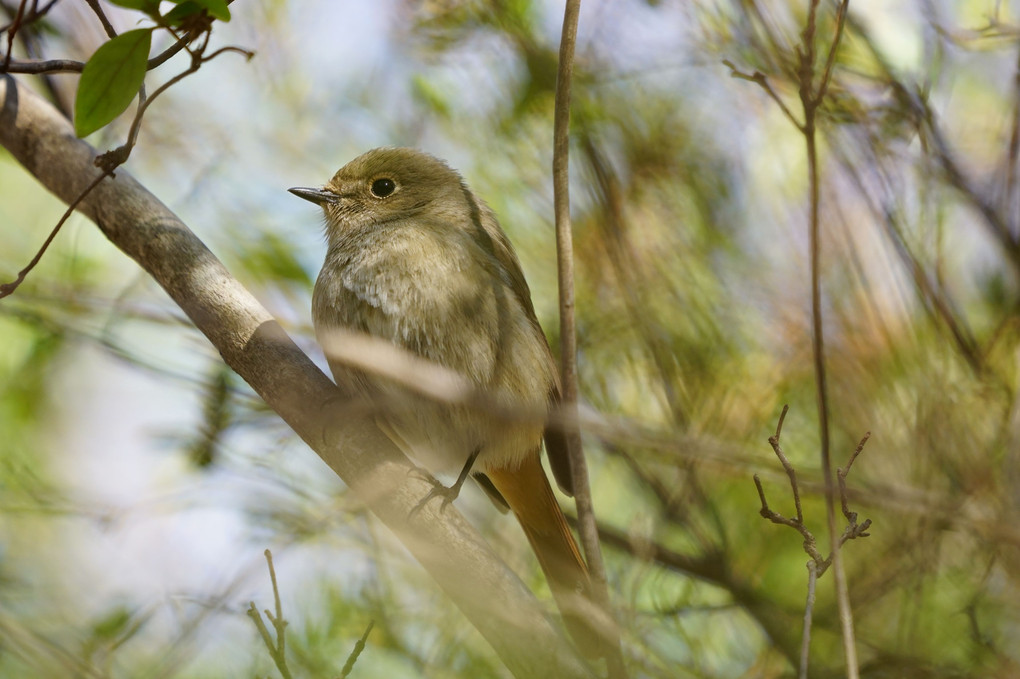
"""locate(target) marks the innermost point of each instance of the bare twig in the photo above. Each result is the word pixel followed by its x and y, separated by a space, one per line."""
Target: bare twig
pixel 830 62
pixel 564 236
pixel 811 99
pixel 169 52
pixel 356 651
pixel 853 530
pixel 8 288
pixel 263 631
pixel 111 160
pixel 817 565
pixel 34 13
pixel 39 67
pixel 810 544
pixel 787 467
pixel 111 32
pixel 278 622
pixel 568 329
pixel 11 31
pixel 809 609
pixel 117 156
pixel 32 67
pixel 71 66
pixel 762 81
pixel 278 650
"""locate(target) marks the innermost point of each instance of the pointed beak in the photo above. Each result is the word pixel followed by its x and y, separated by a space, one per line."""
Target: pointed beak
pixel 317 196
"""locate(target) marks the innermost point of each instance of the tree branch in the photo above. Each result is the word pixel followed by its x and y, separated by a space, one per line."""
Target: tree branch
pixel 588 529
pixel 257 348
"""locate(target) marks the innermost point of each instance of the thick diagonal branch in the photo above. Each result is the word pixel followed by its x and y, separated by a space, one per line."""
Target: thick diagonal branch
pixel 256 347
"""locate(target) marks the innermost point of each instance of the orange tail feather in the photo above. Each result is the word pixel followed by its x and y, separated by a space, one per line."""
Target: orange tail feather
pixel 527 491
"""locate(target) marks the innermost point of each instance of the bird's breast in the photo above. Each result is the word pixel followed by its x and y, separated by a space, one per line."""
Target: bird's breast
pixel 411 288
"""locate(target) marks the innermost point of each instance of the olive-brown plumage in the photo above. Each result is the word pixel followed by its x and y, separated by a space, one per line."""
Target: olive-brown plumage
pixel 416 259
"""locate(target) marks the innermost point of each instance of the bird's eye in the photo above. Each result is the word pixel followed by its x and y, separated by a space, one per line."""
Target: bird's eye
pixel 383 187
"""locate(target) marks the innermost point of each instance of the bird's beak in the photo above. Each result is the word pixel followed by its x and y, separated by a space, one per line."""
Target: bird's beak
pixel 317 196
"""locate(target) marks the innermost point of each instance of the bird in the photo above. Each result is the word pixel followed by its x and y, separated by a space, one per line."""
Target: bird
pixel 415 258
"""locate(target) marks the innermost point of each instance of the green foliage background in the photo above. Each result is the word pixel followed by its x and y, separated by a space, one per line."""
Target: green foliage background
pixel 131 536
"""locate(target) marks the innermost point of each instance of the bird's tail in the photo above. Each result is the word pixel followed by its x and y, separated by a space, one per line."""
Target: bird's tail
pixel 527 491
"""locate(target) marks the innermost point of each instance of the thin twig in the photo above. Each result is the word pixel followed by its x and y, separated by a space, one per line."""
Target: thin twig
pixel 762 81
pixel 830 62
pixel 790 473
pixel 111 160
pixel 169 52
pixel 568 329
pixel 72 66
pixel 561 206
pixel 809 609
pixel 15 25
pixel 278 621
pixel 120 154
pixel 779 424
pixel 32 67
pixel 811 99
pixel 256 617
pixel 853 530
pixel 247 54
pixel 108 162
pixel 33 14
pixel 356 651
pixel 810 543
pixel 111 32
pixel 8 288
pixel 277 651
pixel 817 565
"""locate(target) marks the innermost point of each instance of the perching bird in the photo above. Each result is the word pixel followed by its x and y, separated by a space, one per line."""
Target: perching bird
pixel 415 258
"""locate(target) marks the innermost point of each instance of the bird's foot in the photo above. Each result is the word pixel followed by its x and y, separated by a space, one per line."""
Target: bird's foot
pixel 449 494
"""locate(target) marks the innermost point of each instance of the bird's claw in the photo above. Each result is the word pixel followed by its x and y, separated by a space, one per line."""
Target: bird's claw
pixel 449 494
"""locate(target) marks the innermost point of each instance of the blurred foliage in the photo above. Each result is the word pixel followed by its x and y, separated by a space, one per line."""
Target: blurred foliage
pixel 690 216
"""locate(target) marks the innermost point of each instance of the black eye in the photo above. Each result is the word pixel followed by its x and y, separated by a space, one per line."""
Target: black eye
pixel 383 187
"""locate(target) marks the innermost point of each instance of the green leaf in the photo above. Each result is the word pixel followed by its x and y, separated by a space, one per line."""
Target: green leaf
pixel 217 9
pixel 110 80
pixel 147 6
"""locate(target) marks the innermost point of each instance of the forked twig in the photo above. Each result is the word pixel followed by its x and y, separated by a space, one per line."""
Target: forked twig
pixel 817 565
pixel 111 160
pixel 762 81
pixel 278 650
pixel 853 530
pixel 812 96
